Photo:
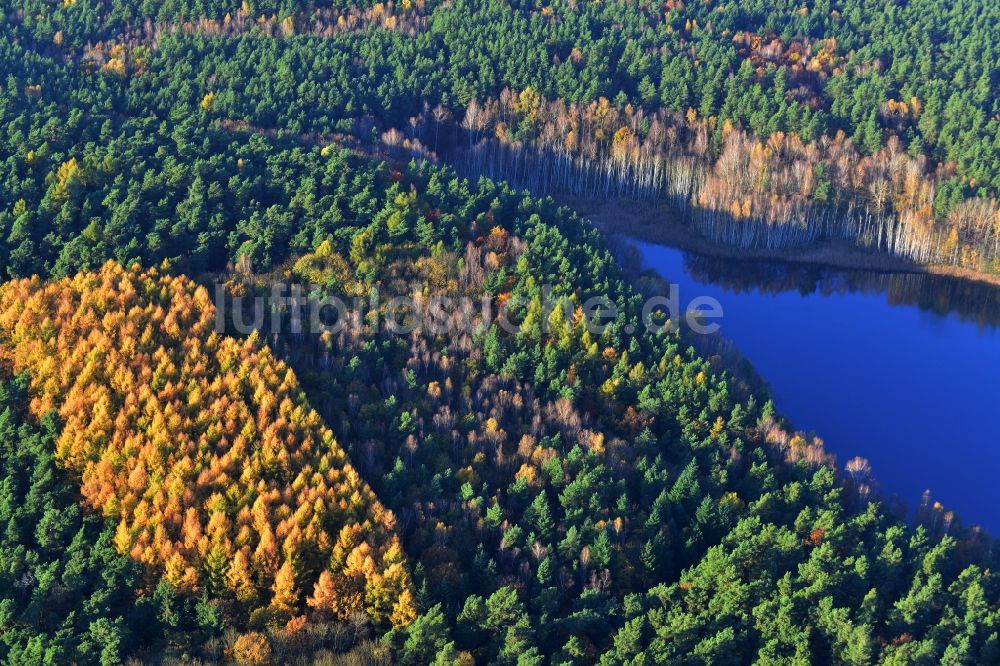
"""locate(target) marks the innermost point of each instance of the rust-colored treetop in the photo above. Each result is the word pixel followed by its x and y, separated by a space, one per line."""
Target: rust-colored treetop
pixel 202 446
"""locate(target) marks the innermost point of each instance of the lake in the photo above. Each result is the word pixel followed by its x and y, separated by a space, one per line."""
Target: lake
pixel 902 369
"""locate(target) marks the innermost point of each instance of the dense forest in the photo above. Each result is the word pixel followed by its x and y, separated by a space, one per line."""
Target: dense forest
pixel 174 491
pixel 765 125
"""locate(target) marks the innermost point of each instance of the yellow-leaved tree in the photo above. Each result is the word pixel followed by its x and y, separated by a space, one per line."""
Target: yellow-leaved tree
pixel 203 447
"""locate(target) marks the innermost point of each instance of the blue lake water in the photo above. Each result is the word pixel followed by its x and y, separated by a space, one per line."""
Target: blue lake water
pixel 903 370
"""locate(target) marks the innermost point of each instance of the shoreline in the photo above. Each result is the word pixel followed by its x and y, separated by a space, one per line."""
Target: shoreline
pixel 649 222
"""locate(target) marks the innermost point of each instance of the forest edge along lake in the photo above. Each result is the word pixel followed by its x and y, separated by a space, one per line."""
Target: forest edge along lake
pixel 657 223
pixel 900 368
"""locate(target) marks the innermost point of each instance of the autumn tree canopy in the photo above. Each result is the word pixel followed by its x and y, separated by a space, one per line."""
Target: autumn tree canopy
pixel 203 447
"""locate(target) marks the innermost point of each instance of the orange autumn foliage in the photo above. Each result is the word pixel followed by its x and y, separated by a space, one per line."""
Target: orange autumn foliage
pixel 203 447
